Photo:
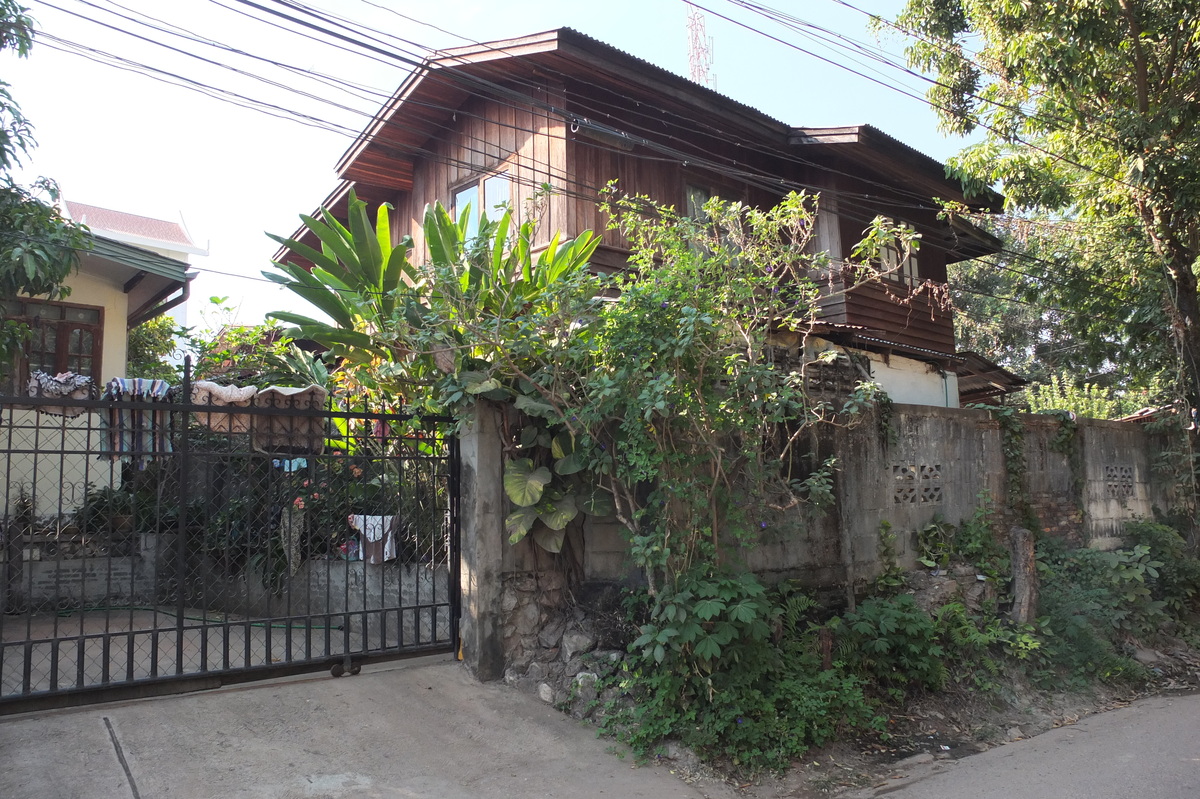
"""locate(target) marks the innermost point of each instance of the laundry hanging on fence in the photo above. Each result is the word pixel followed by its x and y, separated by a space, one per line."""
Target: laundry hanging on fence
pixel 205 392
pixel 287 433
pixel 65 385
pixel 135 433
pixel 379 537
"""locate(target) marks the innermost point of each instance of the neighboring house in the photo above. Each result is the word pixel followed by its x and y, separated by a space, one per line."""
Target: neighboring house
pixel 492 123
pixel 135 270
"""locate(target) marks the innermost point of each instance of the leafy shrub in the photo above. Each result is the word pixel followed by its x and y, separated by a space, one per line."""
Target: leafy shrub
pixel 977 646
pixel 975 542
pixel 1059 394
pixel 1178 582
pixel 733 671
pixel 895 643
pixel 1090 601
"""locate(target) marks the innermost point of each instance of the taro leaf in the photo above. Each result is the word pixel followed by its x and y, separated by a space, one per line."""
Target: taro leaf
pixel 557 512
pixel 549 540
pixel 562 445
pixel 518 523
pixel 523 483
pixel 534 408
pixel 570 464
pixel 597 502
pixel 529 434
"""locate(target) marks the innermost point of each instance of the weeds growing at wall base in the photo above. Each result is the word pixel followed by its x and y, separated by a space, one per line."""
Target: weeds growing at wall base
pixel 751 677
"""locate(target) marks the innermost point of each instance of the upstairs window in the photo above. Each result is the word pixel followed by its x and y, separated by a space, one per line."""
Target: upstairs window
pixel 900 270
pixel 62 338
pixel 697 196
pixel 493 189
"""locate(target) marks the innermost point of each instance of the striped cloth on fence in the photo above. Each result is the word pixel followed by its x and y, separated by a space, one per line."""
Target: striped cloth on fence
pixel 130 433
pixel 65 385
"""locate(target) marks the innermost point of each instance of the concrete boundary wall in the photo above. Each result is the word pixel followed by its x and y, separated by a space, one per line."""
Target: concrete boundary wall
pixel 937 463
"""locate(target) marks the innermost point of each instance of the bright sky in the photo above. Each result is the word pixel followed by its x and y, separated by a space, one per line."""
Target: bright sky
pixel 122 140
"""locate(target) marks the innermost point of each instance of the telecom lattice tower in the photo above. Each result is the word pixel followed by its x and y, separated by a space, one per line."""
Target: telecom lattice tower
pixel 700 49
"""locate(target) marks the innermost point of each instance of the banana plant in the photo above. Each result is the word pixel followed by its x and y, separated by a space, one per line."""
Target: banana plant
pixel 408 323
pixel 357 279
pixel 494 274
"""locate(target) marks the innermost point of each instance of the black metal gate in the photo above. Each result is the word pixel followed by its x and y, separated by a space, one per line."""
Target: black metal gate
pixel 148 540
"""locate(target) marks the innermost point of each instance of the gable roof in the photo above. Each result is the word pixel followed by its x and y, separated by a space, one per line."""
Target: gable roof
pixel 383 155
pixel 381 161
pixel 140 231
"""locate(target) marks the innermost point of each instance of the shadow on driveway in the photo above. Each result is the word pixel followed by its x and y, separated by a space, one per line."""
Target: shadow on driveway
pixel 422 728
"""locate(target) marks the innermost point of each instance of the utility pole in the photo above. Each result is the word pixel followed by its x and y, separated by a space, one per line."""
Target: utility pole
pixel 700 49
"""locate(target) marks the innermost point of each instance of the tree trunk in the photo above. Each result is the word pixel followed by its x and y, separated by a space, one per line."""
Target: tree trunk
pixel 1025 580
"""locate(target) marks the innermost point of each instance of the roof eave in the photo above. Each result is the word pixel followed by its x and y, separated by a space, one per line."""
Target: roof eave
pixel 902 156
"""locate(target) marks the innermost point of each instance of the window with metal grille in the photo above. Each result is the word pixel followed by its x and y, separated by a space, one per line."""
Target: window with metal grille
pixel 63 337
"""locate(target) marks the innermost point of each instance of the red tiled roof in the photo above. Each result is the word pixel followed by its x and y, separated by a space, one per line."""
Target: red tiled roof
pixel 104 219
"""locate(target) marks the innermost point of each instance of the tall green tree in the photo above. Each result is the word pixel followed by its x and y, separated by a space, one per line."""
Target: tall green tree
pixel 1092 114
pixel 38 247
pixel 1036 309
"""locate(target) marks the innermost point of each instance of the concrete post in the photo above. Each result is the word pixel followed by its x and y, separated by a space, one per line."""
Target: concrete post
pixel 482 543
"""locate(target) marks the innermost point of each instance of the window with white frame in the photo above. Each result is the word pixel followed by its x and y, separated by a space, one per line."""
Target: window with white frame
pixel 482 196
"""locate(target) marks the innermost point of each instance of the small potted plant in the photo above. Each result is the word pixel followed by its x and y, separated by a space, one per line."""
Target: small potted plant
pixel 106 511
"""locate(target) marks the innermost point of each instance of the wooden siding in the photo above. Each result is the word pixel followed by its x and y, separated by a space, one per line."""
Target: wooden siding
pixel 489 137
pixel 891 313
pixel 535 147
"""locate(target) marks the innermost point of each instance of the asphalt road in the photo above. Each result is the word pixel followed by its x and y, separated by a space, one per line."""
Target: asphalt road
pixel 1149 750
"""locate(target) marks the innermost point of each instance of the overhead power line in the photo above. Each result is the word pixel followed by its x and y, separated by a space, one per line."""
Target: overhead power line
pixel 847 200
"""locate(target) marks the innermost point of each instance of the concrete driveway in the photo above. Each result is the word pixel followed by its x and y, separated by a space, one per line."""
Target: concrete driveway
pixel 402 729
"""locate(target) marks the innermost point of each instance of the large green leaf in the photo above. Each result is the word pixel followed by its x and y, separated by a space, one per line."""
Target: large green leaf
pixel 395 273
pixel 333 240
pixel 295 319
pixel 570 464
pixel 549 540
pixel 441 235
pixel 485 386
pixel 557 513
pixel 523 483
pixel 597 502
pixel 317 293
pixel 534 408
pixel 304 251
pixel 366 246
pixel 563 444
pixel 519 522
pixel 529 434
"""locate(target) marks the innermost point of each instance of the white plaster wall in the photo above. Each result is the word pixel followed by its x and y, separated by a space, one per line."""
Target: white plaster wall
pixel 52 460
pixel 89 289
pixel 911 382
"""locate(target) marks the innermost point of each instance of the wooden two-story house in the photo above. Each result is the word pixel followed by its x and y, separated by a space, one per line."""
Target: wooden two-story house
pixel 494 123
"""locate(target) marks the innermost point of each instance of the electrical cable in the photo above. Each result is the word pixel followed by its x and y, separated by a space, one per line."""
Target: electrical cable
pixel 343 127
